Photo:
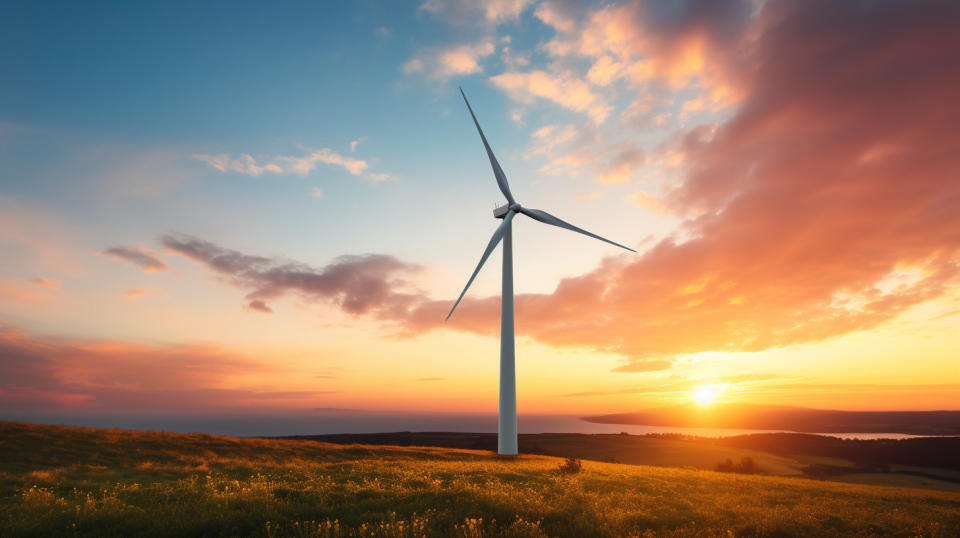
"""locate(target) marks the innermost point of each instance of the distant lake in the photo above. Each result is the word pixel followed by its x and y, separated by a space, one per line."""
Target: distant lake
pixel 364 422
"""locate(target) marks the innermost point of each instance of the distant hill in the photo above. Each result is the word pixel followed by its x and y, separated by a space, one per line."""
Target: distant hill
pixel 797 419
pixel 67 481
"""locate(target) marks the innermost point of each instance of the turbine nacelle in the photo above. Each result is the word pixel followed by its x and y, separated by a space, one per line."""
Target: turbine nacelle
pixel 500 212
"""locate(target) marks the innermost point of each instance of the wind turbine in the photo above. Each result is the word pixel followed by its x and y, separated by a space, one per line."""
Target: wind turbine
pixel 507 419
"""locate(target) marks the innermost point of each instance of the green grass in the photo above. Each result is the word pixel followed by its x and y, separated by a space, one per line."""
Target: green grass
pixel 93 482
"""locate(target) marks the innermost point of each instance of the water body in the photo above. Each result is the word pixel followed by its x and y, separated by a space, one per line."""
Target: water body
pixel 346 421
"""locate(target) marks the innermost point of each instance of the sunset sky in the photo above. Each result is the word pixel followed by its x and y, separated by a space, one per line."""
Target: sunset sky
pixel 230 207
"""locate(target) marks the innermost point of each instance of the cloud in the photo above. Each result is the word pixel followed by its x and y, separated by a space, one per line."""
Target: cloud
pixel 137 292
pixel 445 63
pixel 139 257
pixel 647 201
pixel 623 166
pixel 259 306
pixel 353 143
pixel 317 192
pixel 463 11
pixel 834 178
pixel 827 203
pixel 284 164
pixel 684 44
pixel 102 375
pixel 547 138
pixel 369 284
pixel 304 165
pixel 573 150
pixel 243 164
pixel 46 283
pixel 564 89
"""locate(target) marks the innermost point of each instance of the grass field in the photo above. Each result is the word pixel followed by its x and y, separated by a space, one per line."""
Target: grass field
pixel 94 482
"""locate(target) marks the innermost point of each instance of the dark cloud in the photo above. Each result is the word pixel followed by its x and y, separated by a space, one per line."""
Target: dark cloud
pixel 139 257
pixel 368 284
pixel 259 306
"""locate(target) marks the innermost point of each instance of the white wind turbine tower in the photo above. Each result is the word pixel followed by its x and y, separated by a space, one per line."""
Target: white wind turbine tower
pixel 507 422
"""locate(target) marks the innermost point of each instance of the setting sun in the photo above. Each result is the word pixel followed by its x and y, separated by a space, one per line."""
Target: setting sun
pixel 706 394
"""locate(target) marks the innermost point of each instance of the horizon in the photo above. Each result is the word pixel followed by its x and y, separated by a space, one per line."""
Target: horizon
pixel 267 209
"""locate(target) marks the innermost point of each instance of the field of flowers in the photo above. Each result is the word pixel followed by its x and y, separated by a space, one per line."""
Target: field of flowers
pixel 93 482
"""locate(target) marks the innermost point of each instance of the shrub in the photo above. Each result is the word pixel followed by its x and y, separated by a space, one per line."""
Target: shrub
pixel 746 466
pixel 571 466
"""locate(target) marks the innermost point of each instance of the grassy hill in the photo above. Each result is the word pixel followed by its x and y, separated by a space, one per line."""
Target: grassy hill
pixel 94 482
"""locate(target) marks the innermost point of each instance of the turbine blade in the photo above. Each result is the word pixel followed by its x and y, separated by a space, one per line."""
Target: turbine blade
pixel 497 236
pixel 497 171
pixel 547 218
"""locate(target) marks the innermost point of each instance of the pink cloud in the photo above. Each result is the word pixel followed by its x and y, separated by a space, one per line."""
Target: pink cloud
pixel 837 173
pixel 56 375
pixel 46 283
pixel 143 258
pixel 457 60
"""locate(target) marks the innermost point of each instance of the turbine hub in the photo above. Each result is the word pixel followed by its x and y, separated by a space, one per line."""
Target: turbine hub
pixel 515 207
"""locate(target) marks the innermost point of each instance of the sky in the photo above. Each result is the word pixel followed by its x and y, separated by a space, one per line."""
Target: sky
pixel 270 207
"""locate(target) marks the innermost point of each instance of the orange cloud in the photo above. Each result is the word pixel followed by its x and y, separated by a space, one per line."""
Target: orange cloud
pixel 45 375
pixel 441 64
pixel 564 89
pixel 647 201
pixel 137 292
pixel 46 283
pixel 685 45
pixel 798 235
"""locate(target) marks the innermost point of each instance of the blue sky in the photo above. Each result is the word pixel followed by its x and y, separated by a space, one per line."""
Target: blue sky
pixel 714 137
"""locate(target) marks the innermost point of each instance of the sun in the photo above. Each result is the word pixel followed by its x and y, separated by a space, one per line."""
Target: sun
pixel 705 394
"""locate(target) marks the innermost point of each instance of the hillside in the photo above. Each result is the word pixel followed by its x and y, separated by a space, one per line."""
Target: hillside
pixel 94 482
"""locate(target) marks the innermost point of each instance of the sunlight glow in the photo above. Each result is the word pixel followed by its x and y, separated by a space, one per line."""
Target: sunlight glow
pixel 706 394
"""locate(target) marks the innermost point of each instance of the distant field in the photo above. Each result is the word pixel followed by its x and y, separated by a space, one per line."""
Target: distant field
pixel 776 454
pixel 94 482
pixel 610 448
